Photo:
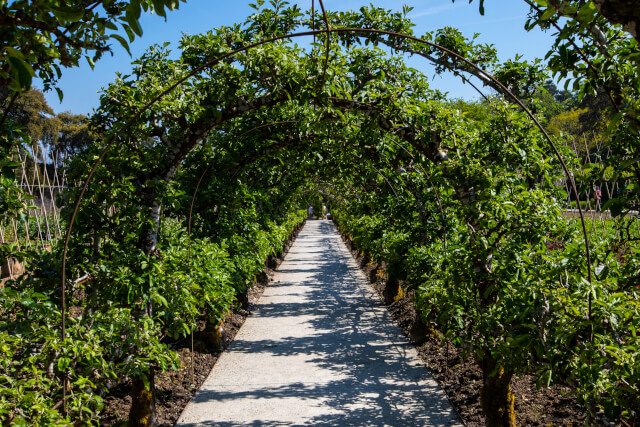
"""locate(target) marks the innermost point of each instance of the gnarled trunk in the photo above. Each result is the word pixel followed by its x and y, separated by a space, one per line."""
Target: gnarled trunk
pixel 214 337
pixel 496 398
pixel 392 291
pixel 143 402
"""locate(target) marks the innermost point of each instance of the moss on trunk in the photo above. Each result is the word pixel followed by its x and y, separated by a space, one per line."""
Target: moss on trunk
pixel 243 299
pixel 392 291
pixel 214 337
pixel 143 402
pixel 496 398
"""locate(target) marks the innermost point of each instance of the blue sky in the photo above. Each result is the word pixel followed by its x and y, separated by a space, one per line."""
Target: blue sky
pixel 502 25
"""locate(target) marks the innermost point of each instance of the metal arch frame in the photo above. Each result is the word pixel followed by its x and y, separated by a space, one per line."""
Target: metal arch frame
pixel 422 171
pixel 301 34
pixel 195 192
pixel 236 138
pixel 328 31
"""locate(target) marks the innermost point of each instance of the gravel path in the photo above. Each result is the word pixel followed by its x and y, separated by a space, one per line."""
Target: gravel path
pixel 320 349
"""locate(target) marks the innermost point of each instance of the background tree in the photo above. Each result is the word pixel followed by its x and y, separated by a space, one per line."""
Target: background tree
pixel 39 38
pixel 74 134
pixel 33 114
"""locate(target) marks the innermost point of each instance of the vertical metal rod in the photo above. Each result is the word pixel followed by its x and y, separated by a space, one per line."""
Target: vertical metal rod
pixel 193 370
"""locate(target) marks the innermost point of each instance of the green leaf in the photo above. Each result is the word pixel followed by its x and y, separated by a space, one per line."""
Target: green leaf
pixel 19 421
pixel 110 25
pixel 21 69
pixel 158 7
pixel 162 300
pixel 145 380
pixel 587 13
pixel 130 33
pixel 132 16
pixel 67 13
pixel 548 14
pixel 135 26
pixel 133 9
pixel 616 205
pixel 63 363
pixel 613 123
pixel 90 62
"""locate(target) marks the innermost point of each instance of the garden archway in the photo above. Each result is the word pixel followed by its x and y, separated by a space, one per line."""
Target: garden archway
pixel 167 124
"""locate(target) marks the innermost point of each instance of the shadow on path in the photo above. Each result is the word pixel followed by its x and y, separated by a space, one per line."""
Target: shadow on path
pixel 320 349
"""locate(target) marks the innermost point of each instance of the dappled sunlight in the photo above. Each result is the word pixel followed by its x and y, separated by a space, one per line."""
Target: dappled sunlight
pixel 320 349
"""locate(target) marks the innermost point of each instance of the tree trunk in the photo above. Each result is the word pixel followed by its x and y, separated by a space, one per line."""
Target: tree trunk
pixel 392 291
pixel 373 273
pixel 496 398
pixel 150 240
pixel 143 402
pixel 214 337
pixel 243 299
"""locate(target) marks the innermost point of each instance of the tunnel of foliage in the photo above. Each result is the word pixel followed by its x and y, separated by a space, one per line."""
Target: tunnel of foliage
pixel 201 181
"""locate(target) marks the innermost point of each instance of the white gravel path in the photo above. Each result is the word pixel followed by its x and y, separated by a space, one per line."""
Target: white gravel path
pixel 319 349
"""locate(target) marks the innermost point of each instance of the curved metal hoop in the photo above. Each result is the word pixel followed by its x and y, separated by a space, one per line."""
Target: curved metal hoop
pixel 356 31
pixel 195 192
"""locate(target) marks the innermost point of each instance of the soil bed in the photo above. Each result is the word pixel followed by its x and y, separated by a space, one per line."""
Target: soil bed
pixel 175 389
pixel 461 379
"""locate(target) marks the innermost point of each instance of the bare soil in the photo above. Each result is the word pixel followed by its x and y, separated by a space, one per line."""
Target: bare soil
pixel 175 389
pixel 462 379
